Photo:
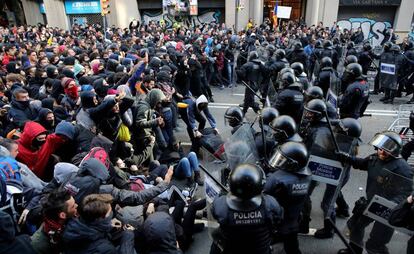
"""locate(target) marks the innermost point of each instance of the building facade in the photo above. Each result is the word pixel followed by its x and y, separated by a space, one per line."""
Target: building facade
pixel 373 16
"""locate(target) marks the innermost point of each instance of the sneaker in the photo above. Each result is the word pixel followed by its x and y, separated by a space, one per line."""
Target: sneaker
pixel 221 87
pixel 230 86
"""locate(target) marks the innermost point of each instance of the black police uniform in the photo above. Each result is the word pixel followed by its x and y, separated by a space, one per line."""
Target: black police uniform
pixel 246 232
pixel 251 72
pixel 332 54
pixel 298 55
pixel 379 173
pixel 291 190
pixel 355 99
pixel 290 102
pixel 324 79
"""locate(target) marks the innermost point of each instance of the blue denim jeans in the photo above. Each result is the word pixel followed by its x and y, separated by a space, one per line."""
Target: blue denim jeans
pixel 167 130
pixel 230 72
pixel 186 166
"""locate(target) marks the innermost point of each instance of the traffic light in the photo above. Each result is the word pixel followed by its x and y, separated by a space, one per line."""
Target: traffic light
pixel 105 7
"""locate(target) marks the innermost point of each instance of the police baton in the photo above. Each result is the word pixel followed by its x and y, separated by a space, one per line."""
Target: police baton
pixel 213 178
pixel 332 133
pixel 253 91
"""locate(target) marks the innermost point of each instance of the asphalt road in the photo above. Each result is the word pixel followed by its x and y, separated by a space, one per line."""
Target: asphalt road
pixel 382 117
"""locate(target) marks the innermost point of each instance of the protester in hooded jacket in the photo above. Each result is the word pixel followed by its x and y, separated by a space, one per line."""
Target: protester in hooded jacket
pixel 47 119
pixel 101 88
pixel 71 99
pixel 9 242
pixel 36 147
pixel 144 118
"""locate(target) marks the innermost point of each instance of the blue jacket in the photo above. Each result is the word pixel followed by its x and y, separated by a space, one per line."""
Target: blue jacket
pixel 19 114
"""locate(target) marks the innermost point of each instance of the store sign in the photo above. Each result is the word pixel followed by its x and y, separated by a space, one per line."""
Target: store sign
pixel 82 7
pixel 369 2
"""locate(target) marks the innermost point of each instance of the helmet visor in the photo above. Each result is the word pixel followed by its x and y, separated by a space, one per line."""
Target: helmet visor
pixel 384 142
pixel 279 161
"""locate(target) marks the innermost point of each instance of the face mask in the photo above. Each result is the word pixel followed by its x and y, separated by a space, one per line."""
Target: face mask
pixel 38 144
pixel 72 92
pixel 50 123
pixel 24 103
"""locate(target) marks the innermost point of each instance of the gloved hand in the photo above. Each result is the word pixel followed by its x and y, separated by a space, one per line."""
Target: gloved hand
pixel 344 157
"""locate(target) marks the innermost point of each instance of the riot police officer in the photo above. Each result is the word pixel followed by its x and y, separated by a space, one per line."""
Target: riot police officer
pixel 289 185
pixel 246 216
pixel 327 77
pixel 388 76
pixel 315 131
pixel 350 49
pixel 290 100
pixel 234 117
pixel 315 59
pixel 298 55
pixel 390 177
pixel 284 129
pixel 350 59
pixel 267 116
pixel 329 51
pixel 366 57
pixel 301 74
pixel 315 92
pixel 251 72
pixel 407 79
pixel 278 65
pixel 355 99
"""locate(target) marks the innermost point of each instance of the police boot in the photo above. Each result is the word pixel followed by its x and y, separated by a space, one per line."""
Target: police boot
pixel 411 101
pixel 197 178
pixel 326 231
pixel 389 101
pixel 342 212
pixel 355 248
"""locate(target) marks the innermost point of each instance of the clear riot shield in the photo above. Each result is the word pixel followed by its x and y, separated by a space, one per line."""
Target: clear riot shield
pixel 272 94
pixel 369 227
pixel 241 147
pixel 334 90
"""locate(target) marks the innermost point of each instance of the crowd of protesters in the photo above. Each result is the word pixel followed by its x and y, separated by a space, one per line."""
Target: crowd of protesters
pixel 88 120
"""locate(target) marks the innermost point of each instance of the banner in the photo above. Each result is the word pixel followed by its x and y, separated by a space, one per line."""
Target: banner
pixel 283 12
pixel 82 7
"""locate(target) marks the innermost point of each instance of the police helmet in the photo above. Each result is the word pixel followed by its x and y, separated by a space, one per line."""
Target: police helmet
pixel 351 59
pixel 234 116
pixel 395 48
pixel 335 41
pixel 388 141
pixel 253 56
pixel 265 44
pixel 285 70
pixel 318 44
pixel 352 127
pixel 297 68
pixel 350 45
pixel 271 48
pixel 268 114
pixel 326 62
pixel 284 127
pixel 387 46
pixel 315 110
pixel 354 70
pixel 291 157
pixel 246 184
pixel 287 79
pixel 314 92
pixel 297 45
pixel 280 53
pixel 327 44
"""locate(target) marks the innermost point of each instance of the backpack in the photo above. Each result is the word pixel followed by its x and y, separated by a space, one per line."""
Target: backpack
pixel 98 153
pixel 9 169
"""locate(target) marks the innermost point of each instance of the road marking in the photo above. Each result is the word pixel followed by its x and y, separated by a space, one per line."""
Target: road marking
pixel 374 112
